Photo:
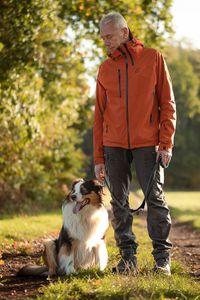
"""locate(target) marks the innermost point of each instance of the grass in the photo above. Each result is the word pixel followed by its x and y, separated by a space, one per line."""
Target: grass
pixel 97 286
pixel 185 206
pixel 93 284
pixel 26 227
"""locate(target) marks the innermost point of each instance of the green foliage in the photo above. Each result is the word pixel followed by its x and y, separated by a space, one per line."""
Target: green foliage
pixel 148 20
pixel 42 95
pixel 184 171
pixel 45 108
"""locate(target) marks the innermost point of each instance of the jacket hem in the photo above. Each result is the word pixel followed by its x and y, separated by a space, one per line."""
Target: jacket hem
pixel 132 146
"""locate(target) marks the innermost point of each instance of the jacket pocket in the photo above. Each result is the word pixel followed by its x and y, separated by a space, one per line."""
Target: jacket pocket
pixel 105 128
pixel 151 119
pixel 106 102
pixel 119 83
pixel 152 110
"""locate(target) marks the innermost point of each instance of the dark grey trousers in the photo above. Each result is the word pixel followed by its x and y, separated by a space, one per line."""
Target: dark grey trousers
pixel 118 163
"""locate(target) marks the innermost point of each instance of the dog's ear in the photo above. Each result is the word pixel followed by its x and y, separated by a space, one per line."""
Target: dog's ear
pixel 98 187
pixel 92 185
pixel 67 198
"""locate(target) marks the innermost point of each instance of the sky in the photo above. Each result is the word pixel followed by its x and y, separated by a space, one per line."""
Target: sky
pixel 186 20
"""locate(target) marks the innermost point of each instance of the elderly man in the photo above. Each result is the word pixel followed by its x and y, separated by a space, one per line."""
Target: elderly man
pixel 134 123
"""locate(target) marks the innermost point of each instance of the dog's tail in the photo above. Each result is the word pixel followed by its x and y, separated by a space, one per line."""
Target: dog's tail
pixel 33 271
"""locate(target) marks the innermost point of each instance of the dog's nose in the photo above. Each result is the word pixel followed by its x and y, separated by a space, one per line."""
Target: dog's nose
pixel 73 197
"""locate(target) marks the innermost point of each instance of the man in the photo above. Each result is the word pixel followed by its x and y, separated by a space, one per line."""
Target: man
pixel 134 122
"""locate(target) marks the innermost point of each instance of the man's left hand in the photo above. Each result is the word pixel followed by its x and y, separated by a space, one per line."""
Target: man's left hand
pixel 165 156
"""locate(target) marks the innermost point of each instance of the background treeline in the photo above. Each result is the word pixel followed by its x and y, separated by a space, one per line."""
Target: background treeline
pixel 45 111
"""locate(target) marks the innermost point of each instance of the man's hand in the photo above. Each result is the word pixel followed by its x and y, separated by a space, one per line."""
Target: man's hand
pixel 100 172
pixel 165 156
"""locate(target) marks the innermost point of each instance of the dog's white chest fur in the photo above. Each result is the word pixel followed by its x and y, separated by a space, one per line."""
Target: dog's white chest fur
pixel 87 228
pixel 89 224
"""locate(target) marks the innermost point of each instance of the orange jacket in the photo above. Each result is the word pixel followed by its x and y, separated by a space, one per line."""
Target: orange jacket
pixel 135 104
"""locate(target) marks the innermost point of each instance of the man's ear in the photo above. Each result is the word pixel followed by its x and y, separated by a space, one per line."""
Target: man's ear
pixel 125 31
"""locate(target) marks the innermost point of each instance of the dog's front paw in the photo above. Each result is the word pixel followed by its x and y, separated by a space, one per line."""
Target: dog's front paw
pixel 48 274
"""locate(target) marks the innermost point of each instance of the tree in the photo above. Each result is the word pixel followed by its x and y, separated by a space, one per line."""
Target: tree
pixel 42 91
pixel 45 108
pixel 185 169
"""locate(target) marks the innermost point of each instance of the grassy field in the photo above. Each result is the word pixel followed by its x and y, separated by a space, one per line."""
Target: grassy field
pixel 97 285
pixel 94 284
pixel 22 228
pixel 185 206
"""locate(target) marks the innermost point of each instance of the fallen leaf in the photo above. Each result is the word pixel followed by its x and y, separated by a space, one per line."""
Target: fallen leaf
pixel 2 262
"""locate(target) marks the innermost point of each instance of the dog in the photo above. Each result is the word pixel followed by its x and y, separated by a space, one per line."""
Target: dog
pixel 81 242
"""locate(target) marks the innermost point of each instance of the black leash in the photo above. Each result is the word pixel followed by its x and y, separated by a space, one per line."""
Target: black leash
pixel 146 194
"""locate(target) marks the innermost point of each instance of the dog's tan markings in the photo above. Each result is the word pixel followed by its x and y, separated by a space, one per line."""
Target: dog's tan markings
pixel 93 198
pixel 49 256
pixel 65 258
pixel 64 250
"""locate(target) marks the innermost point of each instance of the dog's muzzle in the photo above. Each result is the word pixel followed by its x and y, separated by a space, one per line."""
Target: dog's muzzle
pixel 79 205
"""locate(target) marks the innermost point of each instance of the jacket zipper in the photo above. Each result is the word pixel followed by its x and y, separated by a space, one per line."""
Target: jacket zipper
pixel 119 83
pixel 127 116
pixel 131 58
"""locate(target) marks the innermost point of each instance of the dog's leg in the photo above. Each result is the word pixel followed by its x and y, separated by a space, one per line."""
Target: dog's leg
pixel 49 256
pixel 101 255
pixel 66 260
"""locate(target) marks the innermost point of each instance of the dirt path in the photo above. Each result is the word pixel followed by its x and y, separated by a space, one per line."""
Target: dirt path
pixel 186 249
pixel 12 287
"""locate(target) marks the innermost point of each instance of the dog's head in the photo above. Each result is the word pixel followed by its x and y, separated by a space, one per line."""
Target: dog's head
pixel 84 193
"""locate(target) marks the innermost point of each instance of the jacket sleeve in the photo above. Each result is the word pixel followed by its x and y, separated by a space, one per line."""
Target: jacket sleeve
pixel 98 123
pixel 166 104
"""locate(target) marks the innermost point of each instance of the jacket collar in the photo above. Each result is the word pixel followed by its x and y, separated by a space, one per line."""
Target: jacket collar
pixel 132 45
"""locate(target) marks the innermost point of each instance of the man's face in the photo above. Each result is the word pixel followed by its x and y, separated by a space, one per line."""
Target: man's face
pixel 113 36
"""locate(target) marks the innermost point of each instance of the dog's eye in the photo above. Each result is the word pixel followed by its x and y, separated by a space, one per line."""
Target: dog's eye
pixel 84 191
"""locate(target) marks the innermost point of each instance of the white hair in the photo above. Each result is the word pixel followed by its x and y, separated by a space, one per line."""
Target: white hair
pixel 116 19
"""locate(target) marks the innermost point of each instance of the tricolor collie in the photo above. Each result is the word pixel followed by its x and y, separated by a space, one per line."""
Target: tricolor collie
pixel 81 243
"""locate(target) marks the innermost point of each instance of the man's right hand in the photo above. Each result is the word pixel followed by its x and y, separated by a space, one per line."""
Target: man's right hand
pixel 100 172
